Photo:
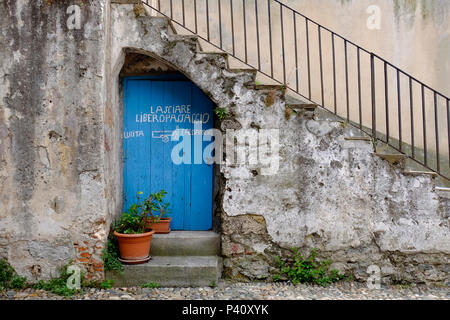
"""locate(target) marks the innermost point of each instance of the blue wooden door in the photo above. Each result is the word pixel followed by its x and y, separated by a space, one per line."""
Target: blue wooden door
pixel 154 108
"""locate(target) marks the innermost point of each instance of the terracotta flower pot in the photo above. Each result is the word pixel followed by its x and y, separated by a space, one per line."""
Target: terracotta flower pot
pixel 134 246
pixel 163 226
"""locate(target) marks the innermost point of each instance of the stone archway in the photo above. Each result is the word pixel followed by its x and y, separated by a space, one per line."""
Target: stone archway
pixel 152 79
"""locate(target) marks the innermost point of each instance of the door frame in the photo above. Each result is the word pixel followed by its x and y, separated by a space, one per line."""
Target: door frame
pixel 170 76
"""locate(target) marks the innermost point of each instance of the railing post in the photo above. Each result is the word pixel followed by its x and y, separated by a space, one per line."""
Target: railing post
pixel 207 19
pixel 184 15
pixel 319 35
pixel 424 127
pixel 386 100
pixel 347 96
pixel 220 22
pixel 195 16
pixel 245 30
pixel 334 73
pixel 257 35
pixel 232 26
pixel 282 44
pixel 448 129
pixel 411 108
pixel 359 87
pixel 399 105
pixel 296 52
pixel 270 37
pixel 374 113
pixel 436 129
pixel 308 58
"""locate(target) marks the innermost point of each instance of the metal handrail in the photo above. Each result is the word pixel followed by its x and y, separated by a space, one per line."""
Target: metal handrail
pixel 443 169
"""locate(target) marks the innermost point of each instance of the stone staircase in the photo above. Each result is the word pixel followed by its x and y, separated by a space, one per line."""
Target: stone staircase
pixel 192 258
pixel 179 259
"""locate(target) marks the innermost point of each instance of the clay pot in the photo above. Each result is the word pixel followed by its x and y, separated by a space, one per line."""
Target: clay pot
pixel 134 246
pixel 163 226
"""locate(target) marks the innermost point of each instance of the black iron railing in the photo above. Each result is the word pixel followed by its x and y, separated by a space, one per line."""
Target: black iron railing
pixel 357 85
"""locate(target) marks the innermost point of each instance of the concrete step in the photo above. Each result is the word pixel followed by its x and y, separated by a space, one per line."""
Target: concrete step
pixel 186 243
pixel 181 271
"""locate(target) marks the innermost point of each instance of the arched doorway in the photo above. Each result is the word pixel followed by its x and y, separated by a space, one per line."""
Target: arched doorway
pixel 157 108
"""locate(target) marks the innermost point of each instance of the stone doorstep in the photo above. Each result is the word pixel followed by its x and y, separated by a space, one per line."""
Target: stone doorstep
pixel 186 243
pixel 180 271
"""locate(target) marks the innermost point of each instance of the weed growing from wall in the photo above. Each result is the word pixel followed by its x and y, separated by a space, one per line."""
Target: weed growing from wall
pixel 9 279
pixel 306 270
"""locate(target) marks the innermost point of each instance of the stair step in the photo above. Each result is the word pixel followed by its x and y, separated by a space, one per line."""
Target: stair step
pixel 181 37
pixel 358 138
pixel 220 53
pixel 268 87
pixel 394 159
pixel 187 271
pixel 252 72
pixel 214 55
pixel 418 173
pixel 249 73
pixel 186 243
pixel 186 39
pixel 172 27
pixel 302 106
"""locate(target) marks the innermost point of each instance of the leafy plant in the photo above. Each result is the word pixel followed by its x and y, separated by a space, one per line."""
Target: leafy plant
pixel 155 206
pixel 139 214
pixel 107 284
pixel 18 282
pixel 57 285
pixel 110 255
pixel 221 113
pixel 151 285
pixel 374 144
pixel 307 270
pixel 9 279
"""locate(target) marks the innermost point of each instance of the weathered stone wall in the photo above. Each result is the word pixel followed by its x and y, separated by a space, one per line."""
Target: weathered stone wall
pixel 52 194
pixel 330 194
pixel 61 158
pixel 336 196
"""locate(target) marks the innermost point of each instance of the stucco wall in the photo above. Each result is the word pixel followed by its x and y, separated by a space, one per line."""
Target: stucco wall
pixel 414 34
pixel 52 176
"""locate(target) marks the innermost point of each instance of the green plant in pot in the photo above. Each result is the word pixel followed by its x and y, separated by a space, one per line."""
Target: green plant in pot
pixel 133 234
pixel 158 212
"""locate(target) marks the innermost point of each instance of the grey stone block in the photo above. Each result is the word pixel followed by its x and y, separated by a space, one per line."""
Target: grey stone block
pixel 186 243
pixel 187 271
